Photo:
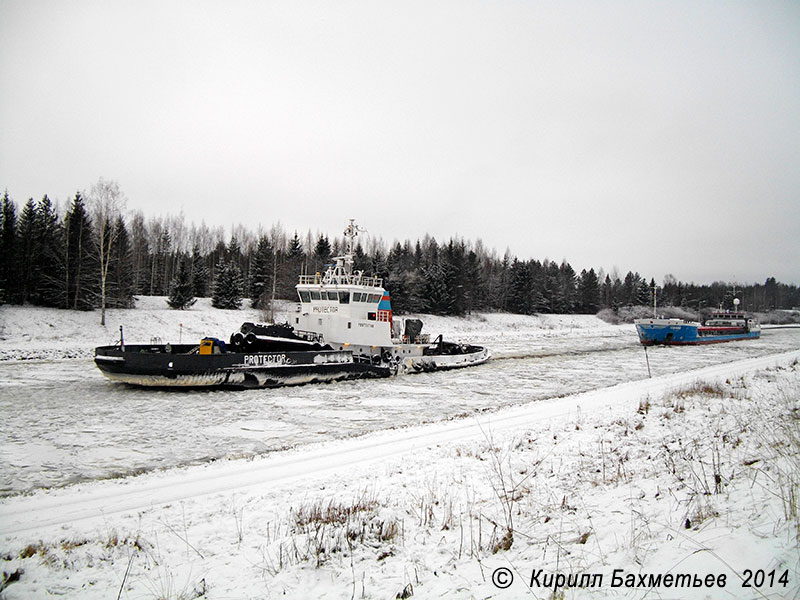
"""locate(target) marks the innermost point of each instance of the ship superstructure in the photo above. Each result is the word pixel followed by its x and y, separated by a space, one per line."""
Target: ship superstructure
pixel 349 310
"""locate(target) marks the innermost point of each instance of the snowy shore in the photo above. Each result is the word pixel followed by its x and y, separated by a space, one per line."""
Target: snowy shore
pixel 32 332
pixel 691 473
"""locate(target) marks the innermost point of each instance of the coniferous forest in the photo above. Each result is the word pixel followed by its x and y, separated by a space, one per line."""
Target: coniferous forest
pixel 92 255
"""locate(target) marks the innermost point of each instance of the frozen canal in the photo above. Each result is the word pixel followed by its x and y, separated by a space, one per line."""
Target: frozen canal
pixel 63 422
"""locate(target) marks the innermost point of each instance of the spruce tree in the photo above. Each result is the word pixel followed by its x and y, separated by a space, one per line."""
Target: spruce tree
pixel 52 266
pixel 216 259
pixel 9 273
pixel 236 256
pixel 121 270
pixel 141 258
pixel 262 268
pixel 474 277
pixel 28 245
pixel 588 292
pixel 520 295
pixel 567 288
pixel 160 266
pixel 438 295
pixel 455 276
pixel 228 286
pixel 630 288
pixel 539 289
pixel 322 254
pixel 644 292
pixel 361 262
pixel 291 268
pixel 82 273
pixel 199 274
pixel 397 278
pixel 548 281
pixel 397 284
pixel 379 267
pixel 499 288
pixel 234 251
pixel 181 289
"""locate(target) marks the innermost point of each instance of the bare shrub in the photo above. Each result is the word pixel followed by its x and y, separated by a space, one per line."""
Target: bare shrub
pixel 628 314
pixel 609 316
pixel 779 317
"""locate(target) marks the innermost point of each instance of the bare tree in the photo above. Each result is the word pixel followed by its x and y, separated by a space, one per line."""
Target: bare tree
pixel 107 202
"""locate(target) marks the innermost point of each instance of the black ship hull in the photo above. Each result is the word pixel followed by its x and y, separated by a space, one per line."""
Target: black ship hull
pixel 157 365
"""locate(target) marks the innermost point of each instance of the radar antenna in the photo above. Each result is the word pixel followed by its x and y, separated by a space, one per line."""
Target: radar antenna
pixel 736 300
pixel 350 233
pixel 342 271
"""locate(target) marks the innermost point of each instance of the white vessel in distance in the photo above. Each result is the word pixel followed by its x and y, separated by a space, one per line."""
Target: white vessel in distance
pixel 351 311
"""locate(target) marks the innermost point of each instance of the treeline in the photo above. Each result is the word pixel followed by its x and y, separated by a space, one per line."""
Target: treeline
pixel 92 256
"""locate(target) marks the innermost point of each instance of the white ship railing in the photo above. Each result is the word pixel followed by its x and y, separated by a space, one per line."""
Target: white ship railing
pixel 341 271
pixel 341 280
pixel 423 338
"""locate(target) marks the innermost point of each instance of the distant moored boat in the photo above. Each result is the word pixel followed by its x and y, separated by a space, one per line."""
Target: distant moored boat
pixel 721 326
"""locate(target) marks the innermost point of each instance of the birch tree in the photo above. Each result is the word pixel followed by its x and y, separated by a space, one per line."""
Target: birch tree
pixel 107 202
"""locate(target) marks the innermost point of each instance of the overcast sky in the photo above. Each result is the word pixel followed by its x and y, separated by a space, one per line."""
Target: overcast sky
pixel 658 137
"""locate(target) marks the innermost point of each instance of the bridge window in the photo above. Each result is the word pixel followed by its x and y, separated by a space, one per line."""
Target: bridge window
pixel 315 296
pixel 344 297
pixel 333 296
pixel 305 296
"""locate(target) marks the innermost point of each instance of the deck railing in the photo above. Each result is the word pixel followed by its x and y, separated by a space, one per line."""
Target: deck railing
pixel 318 279
pixel 310 336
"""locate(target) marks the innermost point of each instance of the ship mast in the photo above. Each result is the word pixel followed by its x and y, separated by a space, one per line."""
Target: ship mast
pixel 350 233
pixel 736 300
pixel 655 295
pixel 343 270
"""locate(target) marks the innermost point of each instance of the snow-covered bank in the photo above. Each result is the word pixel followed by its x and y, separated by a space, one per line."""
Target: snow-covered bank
pixel 686 473
pixel 35 332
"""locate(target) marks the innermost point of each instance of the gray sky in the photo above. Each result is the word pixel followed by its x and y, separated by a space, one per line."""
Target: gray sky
pixel 659 137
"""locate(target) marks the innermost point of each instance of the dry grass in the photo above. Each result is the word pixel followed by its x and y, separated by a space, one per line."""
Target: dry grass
pixel 332 513
pixel 702 388
pixel 34 549
pixel 325 529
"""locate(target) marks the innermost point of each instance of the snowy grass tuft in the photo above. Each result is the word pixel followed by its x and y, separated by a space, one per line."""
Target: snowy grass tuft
pixel 325 530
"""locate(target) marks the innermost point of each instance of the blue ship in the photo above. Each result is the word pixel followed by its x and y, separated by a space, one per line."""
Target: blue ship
pixel 719 327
